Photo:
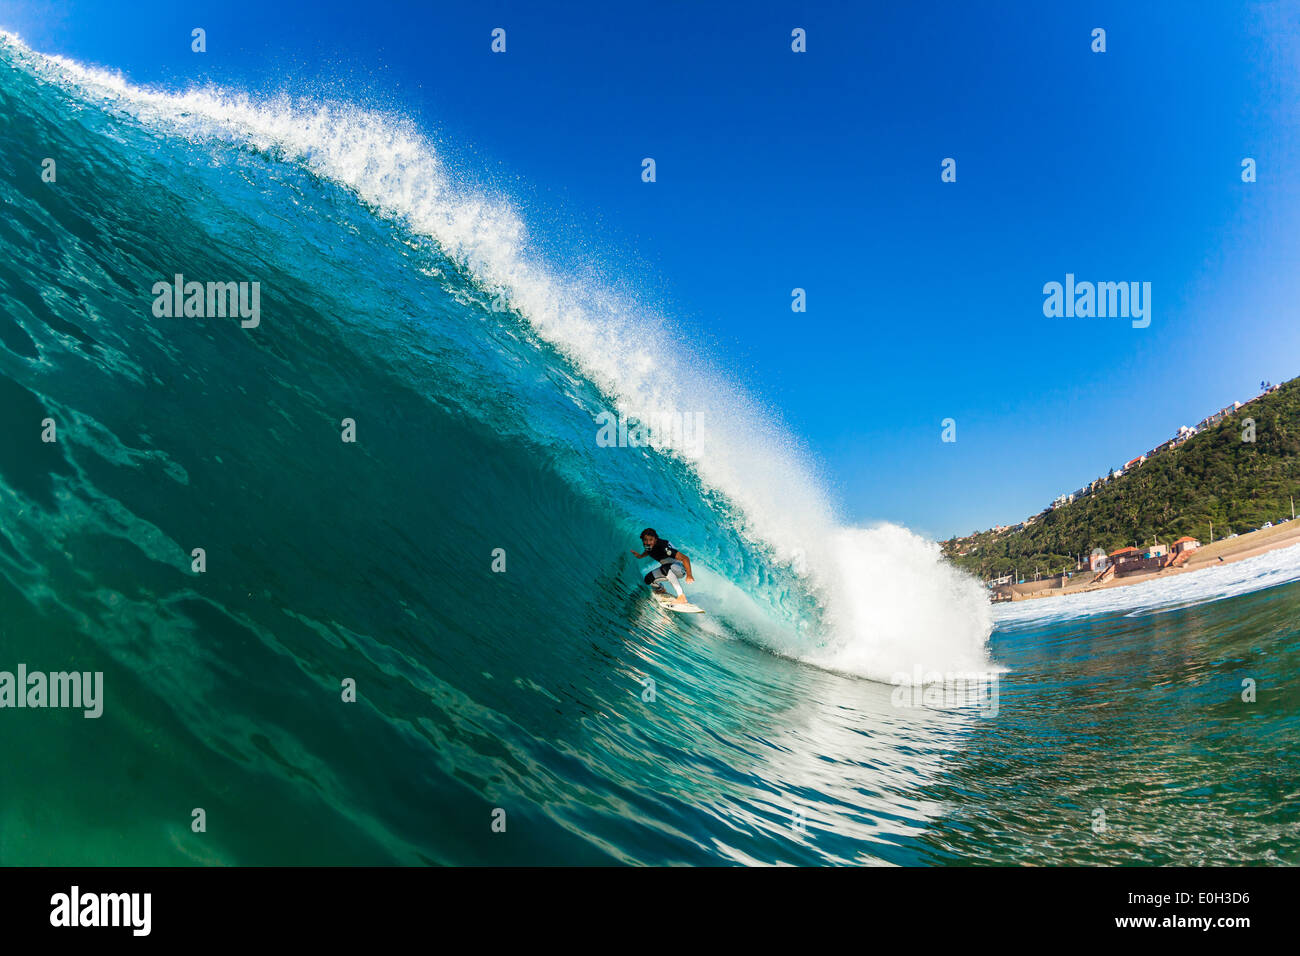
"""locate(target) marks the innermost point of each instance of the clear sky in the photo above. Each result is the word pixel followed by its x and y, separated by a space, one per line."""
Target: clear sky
pixel 821 170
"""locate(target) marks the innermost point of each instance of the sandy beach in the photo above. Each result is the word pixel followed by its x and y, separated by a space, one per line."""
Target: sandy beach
pixel 1223 551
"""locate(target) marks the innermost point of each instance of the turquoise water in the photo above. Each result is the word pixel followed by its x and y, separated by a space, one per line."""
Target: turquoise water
pixel 409 302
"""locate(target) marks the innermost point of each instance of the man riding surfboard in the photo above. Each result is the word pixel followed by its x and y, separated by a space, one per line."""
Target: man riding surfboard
pixel 672 564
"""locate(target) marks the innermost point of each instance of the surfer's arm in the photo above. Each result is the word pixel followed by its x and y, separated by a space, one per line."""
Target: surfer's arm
pixel 636 554
pixel 681 555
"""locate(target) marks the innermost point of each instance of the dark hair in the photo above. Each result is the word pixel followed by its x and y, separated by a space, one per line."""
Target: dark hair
pixel 651 532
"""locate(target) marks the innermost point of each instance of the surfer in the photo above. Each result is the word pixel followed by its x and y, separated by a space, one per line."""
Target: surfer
pixel 672 564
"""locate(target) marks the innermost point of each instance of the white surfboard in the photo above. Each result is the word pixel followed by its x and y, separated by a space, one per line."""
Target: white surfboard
pixel 669 603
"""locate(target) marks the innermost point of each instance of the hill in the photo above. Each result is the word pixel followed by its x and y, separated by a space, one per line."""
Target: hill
pixel 1215 476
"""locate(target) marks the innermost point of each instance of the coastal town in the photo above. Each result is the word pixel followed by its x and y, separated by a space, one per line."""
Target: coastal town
pixel 1133 565
pixel 1139 560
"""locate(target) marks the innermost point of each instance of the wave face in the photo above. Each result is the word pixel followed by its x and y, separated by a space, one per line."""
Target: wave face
pixel 476 372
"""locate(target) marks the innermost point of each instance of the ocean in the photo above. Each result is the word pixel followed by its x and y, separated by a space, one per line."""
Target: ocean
pixel 358 579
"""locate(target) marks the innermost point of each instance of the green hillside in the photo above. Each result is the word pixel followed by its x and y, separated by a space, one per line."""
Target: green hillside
pixel 1214 476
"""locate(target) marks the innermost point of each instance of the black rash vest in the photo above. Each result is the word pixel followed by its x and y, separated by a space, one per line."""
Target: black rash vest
pixel 662 551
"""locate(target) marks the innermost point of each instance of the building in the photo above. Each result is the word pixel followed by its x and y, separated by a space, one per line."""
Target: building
pixel 1124 556
pixel 1098 560
pixel 1185 544
pixel 1218 416
pixel 1135 462
pixel 1139 561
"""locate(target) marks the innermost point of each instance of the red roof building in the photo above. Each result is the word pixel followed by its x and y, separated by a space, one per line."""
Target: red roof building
pixel 1125 555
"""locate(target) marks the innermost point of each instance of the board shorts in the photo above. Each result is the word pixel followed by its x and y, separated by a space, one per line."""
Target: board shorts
pixel 661 572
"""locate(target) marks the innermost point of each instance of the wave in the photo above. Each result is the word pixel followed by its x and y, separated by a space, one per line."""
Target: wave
pixel 874 602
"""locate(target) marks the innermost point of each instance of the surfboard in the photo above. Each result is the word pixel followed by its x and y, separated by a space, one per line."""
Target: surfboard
pixel 668 603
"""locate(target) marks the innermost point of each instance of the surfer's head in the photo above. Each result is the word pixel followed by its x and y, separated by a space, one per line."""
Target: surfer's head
pixel 649 537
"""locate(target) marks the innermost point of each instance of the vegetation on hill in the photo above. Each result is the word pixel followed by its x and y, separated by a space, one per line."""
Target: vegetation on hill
pixel 1215 476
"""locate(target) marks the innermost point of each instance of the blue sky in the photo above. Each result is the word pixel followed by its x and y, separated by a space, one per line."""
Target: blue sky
pixel 822 171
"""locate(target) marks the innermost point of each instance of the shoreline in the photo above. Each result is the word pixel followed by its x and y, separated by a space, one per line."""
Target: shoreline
pixel 1223 551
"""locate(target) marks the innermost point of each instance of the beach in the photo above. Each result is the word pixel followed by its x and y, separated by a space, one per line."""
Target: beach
pixel 1223 551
